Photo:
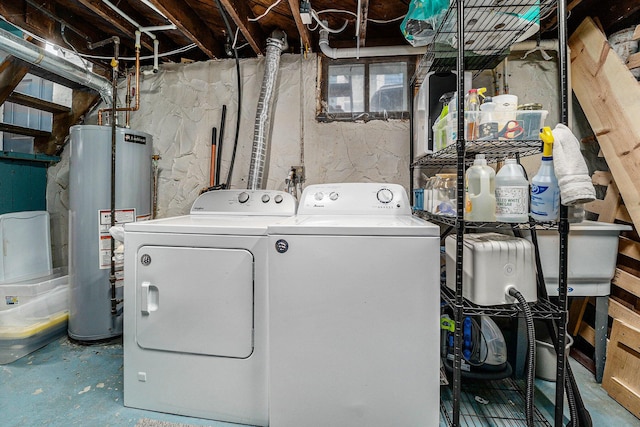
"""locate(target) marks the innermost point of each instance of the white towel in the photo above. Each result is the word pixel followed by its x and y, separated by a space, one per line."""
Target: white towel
pixel 570 168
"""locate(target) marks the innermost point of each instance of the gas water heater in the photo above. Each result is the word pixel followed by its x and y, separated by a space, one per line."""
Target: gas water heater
pixel 90 313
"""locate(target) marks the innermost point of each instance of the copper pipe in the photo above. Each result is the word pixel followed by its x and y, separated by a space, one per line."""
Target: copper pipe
pixel 137 95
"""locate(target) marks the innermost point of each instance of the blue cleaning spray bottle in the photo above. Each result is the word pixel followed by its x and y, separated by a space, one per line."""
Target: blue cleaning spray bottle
pixel 545 193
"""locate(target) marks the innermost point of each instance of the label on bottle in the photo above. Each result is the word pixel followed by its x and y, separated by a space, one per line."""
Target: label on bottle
pixel 544 202
pixel 512 200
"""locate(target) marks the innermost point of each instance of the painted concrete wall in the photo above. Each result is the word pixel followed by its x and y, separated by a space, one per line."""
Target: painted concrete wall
pixel 181 104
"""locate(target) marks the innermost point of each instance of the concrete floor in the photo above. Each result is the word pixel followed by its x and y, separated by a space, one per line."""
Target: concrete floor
pixel 65 384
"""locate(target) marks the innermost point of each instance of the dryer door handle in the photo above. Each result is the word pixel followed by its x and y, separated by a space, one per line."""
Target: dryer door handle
pixel 148 298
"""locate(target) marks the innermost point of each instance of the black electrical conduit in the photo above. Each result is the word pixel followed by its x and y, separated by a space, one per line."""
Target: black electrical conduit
pixel 235 54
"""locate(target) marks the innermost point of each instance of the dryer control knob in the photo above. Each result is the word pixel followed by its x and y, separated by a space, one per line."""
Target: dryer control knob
pixel 265 198
pixel 385 195
pixel 318 195
pixel 278 199
pixel 243 197
pixel 333 195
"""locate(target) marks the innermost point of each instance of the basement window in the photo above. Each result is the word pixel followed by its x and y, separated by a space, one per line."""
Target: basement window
pixel 365 89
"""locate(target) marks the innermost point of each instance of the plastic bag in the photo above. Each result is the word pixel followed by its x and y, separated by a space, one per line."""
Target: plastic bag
pixel 422 20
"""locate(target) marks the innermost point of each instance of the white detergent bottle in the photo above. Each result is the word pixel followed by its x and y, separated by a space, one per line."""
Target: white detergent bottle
pixel 512 193
pixel 481 198
pixel 545 193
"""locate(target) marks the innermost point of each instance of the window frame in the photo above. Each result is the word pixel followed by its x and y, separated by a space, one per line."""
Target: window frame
pixel 322 113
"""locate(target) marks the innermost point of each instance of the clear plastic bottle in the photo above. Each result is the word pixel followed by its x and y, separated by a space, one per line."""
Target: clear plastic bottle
pixel 545 193
pixel 444 195
pixel 512 193
pixel 471 109
pixel 481 191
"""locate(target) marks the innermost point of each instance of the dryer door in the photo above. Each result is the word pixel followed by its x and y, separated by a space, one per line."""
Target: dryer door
pixel 195 300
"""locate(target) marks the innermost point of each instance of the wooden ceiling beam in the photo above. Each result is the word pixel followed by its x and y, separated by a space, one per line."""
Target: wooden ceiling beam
pixel 302 29
pixel 12 70
pixel 364 14
pixel 240 12
pixel 187 21
pixel 31 20
pixel 110 16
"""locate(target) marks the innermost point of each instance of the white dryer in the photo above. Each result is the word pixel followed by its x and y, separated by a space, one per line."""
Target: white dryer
pixel 354 311
pixel 195 310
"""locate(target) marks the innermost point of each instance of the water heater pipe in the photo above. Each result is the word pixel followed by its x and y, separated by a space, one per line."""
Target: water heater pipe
pixel 276 44
pixel 33 54
pixel 137 94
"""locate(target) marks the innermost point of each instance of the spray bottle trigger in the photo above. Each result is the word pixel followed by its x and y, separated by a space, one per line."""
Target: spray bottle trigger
pixel 546 135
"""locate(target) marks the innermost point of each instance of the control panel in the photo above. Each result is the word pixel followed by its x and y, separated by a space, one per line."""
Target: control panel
pixel 245 202
pixel 354 198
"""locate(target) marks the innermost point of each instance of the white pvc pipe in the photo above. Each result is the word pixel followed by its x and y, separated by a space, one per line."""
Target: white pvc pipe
pixel 154 8
pixel 158 28
pixel 127 18
pixel 33 54
pixel 352 52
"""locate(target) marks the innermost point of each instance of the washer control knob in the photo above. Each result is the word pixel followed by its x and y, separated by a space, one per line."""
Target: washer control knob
pixel 265 198
pixel 318 195
pixel 278 198
pixel 333 195
pixel 385 195
pixel 243 197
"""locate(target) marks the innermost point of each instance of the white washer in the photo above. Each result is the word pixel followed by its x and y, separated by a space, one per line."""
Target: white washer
pixel 195 316
pixel 354 311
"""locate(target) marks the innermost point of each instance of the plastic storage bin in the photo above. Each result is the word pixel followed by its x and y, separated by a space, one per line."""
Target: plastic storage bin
pixel 593 249
pixel 29 325
pixel 22 292
pixel 25 245
pixel 525 126
pixel 492 262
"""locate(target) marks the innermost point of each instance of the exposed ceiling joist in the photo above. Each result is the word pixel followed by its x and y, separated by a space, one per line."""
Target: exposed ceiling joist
pixel 240 13
pixel 179 13
pixel 12 70
pixel 364 14
pixel 302 29
pixel 106 13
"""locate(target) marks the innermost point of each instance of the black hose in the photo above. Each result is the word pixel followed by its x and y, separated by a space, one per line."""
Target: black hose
pixel 235 54
pixel 531 341
pixel 223 118
pixel 578 413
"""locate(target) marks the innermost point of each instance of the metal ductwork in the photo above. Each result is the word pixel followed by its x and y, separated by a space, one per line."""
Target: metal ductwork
pixel 276 44
pixel 39 57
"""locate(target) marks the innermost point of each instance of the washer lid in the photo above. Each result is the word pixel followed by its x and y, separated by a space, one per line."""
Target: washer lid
pixel 207 224
pixel 355 225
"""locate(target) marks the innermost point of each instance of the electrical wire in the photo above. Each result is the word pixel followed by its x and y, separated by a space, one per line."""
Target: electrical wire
pixel 64 38
pixel 257 18
pixel 337 11
pixel 387 21
pixel 235 143
pixel 355 15
pixel 235 40
pixel 317 18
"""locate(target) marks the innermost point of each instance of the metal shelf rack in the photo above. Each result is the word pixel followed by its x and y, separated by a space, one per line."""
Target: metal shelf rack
pixel 494 150
pixel 485 42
